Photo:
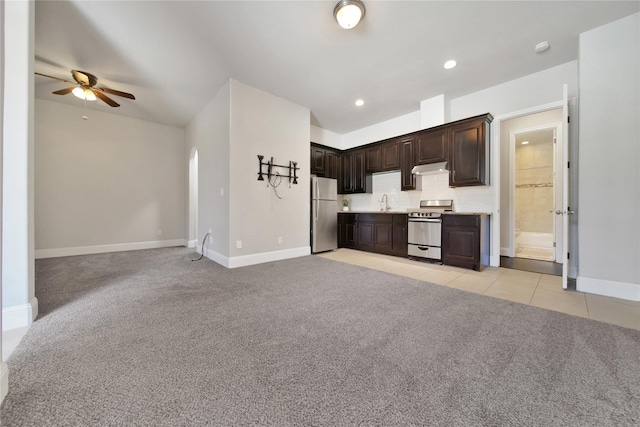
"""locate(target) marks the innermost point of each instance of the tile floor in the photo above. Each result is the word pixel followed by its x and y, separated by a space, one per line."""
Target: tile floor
pixel 543 254
pixel 538 290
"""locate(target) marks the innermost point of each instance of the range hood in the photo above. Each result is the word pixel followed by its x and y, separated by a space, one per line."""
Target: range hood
pixel 430 169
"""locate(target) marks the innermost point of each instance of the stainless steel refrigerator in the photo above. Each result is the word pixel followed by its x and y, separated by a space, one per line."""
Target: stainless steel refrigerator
pixel 324 214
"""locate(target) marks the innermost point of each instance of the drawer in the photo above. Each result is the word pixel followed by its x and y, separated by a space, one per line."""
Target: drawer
pixel 461 220
pixel 430 252
pixel 400 218
pixel 375 217
pixel 347 218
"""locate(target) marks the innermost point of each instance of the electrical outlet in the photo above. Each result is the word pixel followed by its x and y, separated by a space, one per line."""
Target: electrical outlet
pixel 280 240
pixel 159 232
pixel 239 244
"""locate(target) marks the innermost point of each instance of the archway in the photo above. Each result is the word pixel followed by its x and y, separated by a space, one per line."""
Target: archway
pixel 193 198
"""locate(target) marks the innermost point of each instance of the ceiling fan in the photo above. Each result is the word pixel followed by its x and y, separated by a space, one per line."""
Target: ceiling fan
pixel 85 88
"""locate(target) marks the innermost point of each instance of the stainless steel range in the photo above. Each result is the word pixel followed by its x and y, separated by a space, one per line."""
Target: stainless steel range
pixel 425 229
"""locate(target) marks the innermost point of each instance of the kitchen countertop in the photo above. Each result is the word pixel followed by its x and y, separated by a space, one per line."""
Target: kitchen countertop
pixel 374 212
pixel 405 212
pixel 466 213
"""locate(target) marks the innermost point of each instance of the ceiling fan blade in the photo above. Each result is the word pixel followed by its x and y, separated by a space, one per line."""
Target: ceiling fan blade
pixel 84 78
pixel 106 99
pixel 64 91
pixel 55 78
pixel 115 92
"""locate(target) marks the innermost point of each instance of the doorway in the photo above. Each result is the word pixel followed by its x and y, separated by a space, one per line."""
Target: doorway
pixel 530 182
pixel 537 191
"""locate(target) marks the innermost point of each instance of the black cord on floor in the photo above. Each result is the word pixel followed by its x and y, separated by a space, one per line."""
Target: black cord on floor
pixel 202 252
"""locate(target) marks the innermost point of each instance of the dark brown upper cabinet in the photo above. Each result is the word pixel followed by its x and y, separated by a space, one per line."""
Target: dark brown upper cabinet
pixel 383 156
pixel 353 175
pixel 324 162
pixel 432 146
pixel 317 161
pixel 374 158
pixel 331 166
pixel 464 144
pixel 407 179
pixel 391 157
pixel 468 152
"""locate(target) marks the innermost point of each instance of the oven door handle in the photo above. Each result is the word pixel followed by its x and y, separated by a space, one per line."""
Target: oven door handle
pixel 425 220
pixel 423 248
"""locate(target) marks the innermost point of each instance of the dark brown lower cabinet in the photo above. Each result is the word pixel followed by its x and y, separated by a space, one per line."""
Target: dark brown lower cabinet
pixel 400 231
pixel 465 241
pixel 373 232
pixel 347 237
pixel 366 236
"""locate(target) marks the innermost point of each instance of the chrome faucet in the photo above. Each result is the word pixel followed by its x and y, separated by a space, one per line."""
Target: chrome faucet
pixel 384 200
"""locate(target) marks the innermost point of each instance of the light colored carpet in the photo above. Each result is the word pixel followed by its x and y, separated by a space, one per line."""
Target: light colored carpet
pixel 151 338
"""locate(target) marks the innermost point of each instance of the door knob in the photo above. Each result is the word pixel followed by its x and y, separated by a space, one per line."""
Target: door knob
pixel 558 212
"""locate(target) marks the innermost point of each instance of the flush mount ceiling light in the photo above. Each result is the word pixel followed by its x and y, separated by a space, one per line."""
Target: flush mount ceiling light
pixel 541 47
pixel 359 102
pixel 348 13
pixel 524 142
pixel 450 64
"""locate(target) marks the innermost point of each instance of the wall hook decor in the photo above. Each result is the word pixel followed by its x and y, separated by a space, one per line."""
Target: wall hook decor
pixel 272 169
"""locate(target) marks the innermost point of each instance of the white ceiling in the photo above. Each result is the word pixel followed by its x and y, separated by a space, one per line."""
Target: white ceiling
pixel 175 55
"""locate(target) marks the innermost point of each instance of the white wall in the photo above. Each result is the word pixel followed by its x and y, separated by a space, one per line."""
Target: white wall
pixel 609 154
pixel 106 183
pixel 535 89
pixel 326 137
pixel 388 129
pixel 262 124
pixel 19 305
pixel 209 132
pixel 238 124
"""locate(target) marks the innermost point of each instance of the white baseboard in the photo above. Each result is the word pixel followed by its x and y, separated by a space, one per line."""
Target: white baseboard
pixel 192 243
pixel 243 261
pixel 246 260
pixel 19 316
pixel 4 381
pixel 609 288
pixel 99 249
pixel 215 256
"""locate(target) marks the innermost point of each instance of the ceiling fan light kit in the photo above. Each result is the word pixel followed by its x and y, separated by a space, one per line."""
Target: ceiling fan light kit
pixel 348 13
pixel 85 88
pixel 82 93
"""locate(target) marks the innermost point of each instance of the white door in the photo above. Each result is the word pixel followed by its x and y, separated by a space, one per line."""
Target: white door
pixel 558 191
pixel 565 212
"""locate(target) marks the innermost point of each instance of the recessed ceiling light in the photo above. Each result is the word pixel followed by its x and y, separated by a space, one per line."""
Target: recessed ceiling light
pixel 524 142
pixel 359 102
pixel 541 47
pixel 450 64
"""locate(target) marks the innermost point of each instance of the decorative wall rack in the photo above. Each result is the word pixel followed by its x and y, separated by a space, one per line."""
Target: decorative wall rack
pixel 291 171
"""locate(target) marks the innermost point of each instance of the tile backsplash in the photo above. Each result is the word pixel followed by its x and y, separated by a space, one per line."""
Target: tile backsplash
pixel 465 199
